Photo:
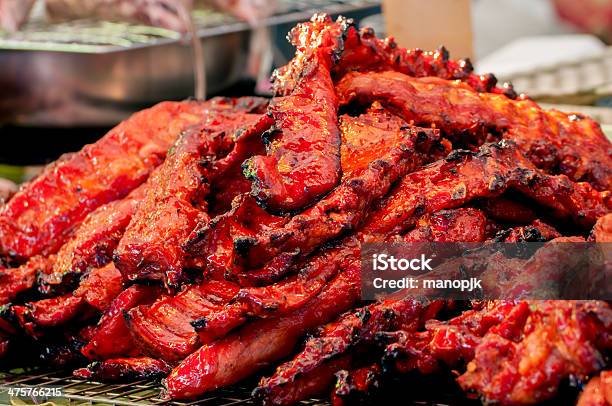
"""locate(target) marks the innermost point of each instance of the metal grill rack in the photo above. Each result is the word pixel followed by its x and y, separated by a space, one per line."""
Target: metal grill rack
pixel 92 36
pixel 80 392
pixel 431 391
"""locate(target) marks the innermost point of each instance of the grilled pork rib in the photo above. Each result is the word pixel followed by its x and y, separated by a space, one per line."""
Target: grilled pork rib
pixel 42 215
pixel 554 141
pixel 151 253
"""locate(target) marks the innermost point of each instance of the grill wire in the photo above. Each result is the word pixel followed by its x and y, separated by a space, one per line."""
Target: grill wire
pixel 81 392
pixel 92 36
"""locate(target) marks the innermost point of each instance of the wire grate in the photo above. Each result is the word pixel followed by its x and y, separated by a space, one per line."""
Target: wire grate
pixel 93 36
pixel 81 392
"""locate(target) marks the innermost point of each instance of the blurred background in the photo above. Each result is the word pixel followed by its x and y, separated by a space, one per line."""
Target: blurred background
pixel 71 69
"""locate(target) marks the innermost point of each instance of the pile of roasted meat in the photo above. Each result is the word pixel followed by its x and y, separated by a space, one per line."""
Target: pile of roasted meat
pixel 203 242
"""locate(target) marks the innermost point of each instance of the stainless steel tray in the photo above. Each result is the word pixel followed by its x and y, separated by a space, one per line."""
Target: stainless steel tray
pixel 93 73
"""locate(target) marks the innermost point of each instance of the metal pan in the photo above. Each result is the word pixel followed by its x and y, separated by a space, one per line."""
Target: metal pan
pixel 92 73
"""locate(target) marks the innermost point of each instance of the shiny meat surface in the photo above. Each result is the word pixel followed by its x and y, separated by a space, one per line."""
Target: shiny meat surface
pixel 209 242
pixel 554 141
pixel 42 215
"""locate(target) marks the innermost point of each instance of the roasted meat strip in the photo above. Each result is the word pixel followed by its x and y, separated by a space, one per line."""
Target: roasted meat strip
pixel 164 330
pixel 598 392
pixel 111 337
pixel 493 169
pixel 256 345
pixel 92 244
pixel 100 286
pixel 401 150
pixel 292 381
pixel 226 180
pixel 554 141
pixel 303 149
pixel 42 215
pixel 34 317
pixel 570 338
pixel 152 245
pixel 362 51
pixel 14 281
pixel 124 369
